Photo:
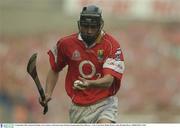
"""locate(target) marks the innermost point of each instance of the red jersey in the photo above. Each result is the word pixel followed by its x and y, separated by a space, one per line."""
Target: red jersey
pixel 103 57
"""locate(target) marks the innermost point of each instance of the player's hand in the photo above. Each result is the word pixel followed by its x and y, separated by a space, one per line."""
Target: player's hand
pixel 44 103
pixel 81 84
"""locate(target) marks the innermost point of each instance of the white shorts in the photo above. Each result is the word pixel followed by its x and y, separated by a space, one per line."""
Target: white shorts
pixel 106 109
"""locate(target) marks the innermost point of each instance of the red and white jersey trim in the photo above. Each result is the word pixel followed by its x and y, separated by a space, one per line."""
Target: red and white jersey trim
pixel 115 65
pixel 55 53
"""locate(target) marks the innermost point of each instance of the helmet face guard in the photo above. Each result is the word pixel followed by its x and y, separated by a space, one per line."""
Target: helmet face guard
pixel 90 17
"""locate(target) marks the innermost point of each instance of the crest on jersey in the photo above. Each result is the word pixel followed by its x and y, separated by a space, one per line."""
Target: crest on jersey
pixel 76 55
pixel 100 54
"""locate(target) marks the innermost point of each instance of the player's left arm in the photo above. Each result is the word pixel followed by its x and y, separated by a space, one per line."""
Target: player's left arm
pixel 113 68
pixel 103 82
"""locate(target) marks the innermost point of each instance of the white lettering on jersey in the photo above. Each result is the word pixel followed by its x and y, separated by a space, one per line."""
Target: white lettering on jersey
pixel 93 68
pixel 113 64
pixel 117 54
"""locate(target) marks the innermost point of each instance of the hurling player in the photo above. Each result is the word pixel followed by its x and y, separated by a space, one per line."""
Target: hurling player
pixel 95 69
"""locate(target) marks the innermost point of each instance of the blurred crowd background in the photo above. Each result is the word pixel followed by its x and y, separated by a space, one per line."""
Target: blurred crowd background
pixel 149 34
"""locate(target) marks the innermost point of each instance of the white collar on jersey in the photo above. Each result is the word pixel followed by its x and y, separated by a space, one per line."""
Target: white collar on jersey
pixel 101 35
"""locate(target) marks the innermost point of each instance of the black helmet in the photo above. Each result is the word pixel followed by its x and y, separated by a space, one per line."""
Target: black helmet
pixel 91 16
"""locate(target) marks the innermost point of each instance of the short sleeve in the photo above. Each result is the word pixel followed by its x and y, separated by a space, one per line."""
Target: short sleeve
pixel 114 63
pixel 57 57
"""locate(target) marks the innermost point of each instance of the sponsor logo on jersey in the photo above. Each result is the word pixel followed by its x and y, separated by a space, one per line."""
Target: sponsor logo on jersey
pixel 83 72
pixel 76 55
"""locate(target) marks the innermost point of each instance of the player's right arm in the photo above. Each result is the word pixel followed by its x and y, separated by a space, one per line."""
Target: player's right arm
pixel 51 81
pixel 57 63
